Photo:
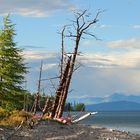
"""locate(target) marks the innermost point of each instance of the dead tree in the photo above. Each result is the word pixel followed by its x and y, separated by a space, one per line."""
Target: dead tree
pixel 48 105
pixel 37 96
pixel 62 51
pixel 45 109
pixel 60 89
pixel 81 25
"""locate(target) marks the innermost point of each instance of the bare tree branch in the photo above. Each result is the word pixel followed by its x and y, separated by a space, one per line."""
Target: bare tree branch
pixel 50 78
pixel 62 50
pixel 95 20
pixel 77 67
pixel 78 29
pixel 53 85
pixel 90 34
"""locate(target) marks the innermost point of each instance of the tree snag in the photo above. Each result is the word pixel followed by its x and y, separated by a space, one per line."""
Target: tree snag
pixel 37 96
pixel 79 29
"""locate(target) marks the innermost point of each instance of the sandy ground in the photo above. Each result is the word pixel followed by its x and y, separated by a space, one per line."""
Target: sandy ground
pixel 46 130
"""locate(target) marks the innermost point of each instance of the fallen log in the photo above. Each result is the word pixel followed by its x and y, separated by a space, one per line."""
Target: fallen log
pixel 84 117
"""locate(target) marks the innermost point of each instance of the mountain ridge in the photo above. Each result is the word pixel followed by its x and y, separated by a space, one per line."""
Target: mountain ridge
pixel 110 98
pixel 114 106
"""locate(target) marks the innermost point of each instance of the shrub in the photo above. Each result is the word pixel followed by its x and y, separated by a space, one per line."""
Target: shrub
pixel 16 118
pixel 3 113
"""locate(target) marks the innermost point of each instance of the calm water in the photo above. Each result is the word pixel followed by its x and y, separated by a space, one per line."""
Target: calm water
pixel 127 121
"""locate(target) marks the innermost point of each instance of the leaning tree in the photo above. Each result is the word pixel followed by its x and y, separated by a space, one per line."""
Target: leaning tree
pixel 76 31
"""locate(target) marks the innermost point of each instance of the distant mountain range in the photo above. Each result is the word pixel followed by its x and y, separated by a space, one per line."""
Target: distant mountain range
pixel 116 97
pixel 114 106
pixel 114 102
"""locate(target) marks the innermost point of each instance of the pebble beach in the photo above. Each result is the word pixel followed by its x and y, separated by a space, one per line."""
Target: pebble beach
pixel 48 130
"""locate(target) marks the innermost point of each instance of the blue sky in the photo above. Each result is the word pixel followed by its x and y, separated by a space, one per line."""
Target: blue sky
pixel 110 65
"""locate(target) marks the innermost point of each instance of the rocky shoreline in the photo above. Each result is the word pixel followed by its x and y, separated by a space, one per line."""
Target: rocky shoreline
pixel 48 130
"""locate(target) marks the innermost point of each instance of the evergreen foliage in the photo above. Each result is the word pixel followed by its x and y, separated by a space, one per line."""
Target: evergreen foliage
pixel 74 107
pixel 12 67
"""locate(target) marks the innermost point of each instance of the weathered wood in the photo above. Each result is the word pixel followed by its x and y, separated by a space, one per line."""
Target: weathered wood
pixel 60 88
pixel 45 109
pixel 62 50
pixel 36 101
pixel 37 96
pixel 67 84
pixel 81 28
pixel 83 117
pixel 62 96
pixel 48 105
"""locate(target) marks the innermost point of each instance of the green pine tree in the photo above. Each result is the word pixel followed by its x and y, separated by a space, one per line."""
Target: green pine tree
pixel 12 67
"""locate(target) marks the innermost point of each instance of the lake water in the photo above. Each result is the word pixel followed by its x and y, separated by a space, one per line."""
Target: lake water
pixel 125 121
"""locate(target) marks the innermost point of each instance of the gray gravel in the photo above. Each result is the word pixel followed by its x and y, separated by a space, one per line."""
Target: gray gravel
pixel 46 130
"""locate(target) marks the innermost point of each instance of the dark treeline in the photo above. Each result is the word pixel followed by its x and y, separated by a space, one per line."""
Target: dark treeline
pixel 26 100
pixel 74 107
pixel 29 98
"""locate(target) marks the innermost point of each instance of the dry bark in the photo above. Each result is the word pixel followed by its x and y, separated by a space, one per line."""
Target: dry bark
pixel 37 96
pixel 81 26
pixel 60 88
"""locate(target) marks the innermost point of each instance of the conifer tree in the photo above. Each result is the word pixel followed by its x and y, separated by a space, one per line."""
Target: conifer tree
pixel 12 67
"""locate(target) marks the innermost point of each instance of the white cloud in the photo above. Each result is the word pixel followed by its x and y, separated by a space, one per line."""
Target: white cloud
pixel 128 43
pixel 31 55
pixel 125 59
pixel 91 42
pixel 104 26
pixel 49 66
pixel 88 42
pixel 37 8
pixel 136 26
pixel 129 59
pixel 103 74
pixel 98 82
pixel 28 12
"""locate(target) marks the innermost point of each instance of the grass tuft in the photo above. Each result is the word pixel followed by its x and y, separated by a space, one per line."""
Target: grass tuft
pixel 16 118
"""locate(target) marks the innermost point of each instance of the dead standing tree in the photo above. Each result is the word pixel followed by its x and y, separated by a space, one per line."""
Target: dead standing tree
pixel 81 24
pixel 37 95
pixel 62 51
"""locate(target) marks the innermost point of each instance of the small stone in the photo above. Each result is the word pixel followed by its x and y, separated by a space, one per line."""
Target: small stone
pixel 2 137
